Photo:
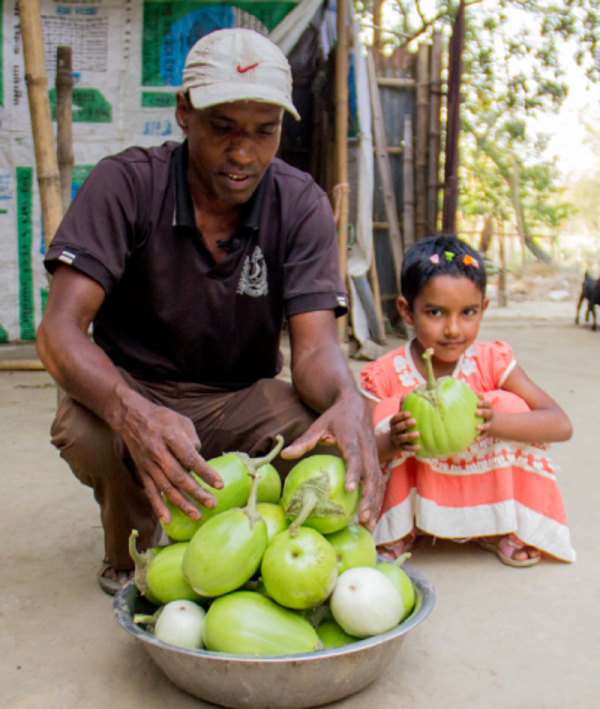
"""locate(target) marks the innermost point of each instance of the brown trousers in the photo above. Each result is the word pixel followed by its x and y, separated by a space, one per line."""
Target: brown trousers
pixel 246 420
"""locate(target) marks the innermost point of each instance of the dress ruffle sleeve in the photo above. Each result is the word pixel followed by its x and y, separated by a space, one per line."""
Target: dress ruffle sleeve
pixel 495 362
pixel 373 380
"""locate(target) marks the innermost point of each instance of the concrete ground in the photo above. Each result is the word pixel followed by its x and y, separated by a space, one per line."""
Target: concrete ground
pixel 499 638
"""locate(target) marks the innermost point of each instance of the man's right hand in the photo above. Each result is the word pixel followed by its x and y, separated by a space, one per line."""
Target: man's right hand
pixel 164 447
pixel 163 444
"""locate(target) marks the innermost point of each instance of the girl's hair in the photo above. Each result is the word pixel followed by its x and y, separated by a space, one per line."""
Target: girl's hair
pixel 441 255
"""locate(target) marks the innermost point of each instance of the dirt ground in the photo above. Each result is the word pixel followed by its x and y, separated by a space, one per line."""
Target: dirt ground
pixel 499 638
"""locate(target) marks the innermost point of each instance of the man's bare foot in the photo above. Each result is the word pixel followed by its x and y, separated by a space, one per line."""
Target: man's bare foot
pixel 111 580
pixel 511 550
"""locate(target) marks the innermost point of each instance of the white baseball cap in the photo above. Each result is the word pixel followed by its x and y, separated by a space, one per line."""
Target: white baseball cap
pixel 237 65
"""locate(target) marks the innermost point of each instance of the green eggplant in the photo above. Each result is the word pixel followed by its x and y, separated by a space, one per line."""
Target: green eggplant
pixel 332 635
pixel 274 518
pixel 314 494
pixel 247 623
pixel 226 551
pixel 401 581
pixel 444 410
pixel 234 493
pixel 299 568
pixel 158 575
pixel 269 485
pixel 354 546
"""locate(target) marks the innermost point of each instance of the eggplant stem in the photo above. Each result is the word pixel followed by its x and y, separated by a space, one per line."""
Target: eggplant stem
pixel 401 559
pixel 265 460
pixel 252 465
pixel 141 561
pixel 431 380
pixel 309 502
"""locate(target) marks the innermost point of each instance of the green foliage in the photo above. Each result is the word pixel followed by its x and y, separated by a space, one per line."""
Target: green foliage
pixel 512 72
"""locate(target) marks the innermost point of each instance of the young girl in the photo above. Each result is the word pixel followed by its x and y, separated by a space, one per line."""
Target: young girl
pixel 501 491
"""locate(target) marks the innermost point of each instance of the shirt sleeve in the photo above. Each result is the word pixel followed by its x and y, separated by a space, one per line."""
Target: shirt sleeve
pixel 97 234
pixel 312 278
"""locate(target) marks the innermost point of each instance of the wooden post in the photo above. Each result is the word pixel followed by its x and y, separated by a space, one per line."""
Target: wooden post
pixel 374 278
pixel 341 142
pixel 377 22
pixel 409 185
pixel 421 145
pixel 64 123
pixel 41 119
pixel 391 211
pixel 435 132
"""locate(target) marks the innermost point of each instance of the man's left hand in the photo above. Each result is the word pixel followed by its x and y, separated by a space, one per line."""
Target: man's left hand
pixel 348 424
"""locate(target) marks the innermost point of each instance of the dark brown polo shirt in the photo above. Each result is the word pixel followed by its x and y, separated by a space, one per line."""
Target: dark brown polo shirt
pixel 171 312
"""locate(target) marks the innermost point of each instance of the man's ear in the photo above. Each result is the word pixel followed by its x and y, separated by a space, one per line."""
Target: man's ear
pixel 405 310
pixel 182 111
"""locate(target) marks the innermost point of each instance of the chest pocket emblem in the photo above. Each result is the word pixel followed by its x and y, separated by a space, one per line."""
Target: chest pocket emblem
pixel 253 280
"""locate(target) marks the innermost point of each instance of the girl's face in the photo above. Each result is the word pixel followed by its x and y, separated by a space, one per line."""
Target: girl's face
pixel 446 315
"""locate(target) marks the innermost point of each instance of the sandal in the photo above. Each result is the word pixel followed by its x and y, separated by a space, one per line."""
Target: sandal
pixel 108 585
pixel 514 544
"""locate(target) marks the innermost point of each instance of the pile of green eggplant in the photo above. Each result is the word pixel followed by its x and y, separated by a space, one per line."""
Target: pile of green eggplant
pixel 271 571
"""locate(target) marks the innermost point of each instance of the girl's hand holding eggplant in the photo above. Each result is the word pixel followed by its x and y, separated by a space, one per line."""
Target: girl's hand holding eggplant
pixel 399 425
pixel 484 410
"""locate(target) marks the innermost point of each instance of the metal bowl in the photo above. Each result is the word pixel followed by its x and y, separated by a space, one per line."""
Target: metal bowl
pixel 281 681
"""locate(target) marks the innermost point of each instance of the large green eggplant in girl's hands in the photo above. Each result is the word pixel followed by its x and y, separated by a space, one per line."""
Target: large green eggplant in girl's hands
pixel 445 412
pixel 314 494
pixel 234 493
pixel 226 551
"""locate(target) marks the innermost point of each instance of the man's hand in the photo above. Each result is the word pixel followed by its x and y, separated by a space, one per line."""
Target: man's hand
pixel 164 447
pixel 348 423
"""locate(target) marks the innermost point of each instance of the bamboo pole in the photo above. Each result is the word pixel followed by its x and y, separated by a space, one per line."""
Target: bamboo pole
pixel 374 278
pixel 408 226
pixel 341 142
pixel 435 132
pixel 64 123
pixel 421 143
pixel 21 365
pixel 41 119
pixel 377 23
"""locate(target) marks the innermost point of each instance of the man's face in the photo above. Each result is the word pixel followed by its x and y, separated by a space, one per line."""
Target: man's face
pixel 230 146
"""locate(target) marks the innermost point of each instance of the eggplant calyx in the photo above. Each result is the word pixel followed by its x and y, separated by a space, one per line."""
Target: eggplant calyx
pixel 142 562
pixel 312 498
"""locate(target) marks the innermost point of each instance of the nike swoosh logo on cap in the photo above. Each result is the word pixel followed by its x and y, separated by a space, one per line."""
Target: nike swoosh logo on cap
pixel 244 69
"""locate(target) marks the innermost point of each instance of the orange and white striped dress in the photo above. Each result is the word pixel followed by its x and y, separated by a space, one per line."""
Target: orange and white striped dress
pixel 494 487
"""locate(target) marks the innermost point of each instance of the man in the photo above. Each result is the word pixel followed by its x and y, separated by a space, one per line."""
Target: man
pixel 185 259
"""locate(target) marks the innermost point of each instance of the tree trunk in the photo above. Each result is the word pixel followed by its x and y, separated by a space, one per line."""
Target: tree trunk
pixel 485 238
pixel 526 239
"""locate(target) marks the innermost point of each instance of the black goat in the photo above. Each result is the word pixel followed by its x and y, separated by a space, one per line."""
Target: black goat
pixel 590 291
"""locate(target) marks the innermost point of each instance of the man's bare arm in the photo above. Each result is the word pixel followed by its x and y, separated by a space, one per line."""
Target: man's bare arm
pixel 163 444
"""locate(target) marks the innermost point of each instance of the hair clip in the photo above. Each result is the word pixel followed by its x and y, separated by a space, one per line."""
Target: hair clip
pixel 449 255
pixel 468 260
pixel 435 258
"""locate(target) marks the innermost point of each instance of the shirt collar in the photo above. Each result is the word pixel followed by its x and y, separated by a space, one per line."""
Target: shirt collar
pixel 184 207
